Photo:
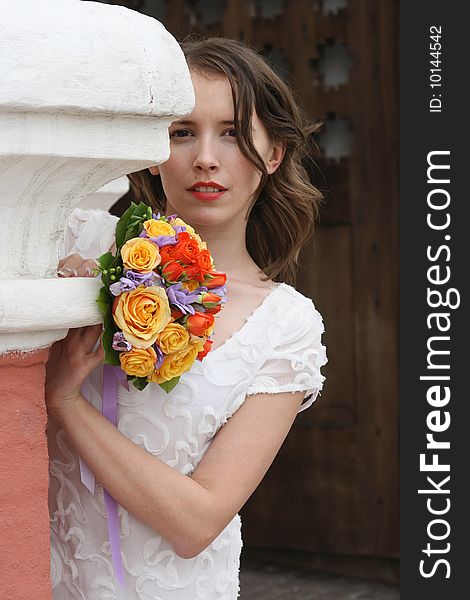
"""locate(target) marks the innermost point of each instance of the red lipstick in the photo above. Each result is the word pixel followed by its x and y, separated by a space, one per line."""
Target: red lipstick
pixel 207 190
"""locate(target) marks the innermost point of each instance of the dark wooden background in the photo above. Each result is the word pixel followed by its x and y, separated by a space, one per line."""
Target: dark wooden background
pixel 330 501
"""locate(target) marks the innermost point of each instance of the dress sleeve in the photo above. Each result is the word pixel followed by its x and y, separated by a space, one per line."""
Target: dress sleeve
pixel 89 233
pixel 294 362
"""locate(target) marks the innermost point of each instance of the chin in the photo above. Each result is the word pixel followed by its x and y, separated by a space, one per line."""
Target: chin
pixel 205 216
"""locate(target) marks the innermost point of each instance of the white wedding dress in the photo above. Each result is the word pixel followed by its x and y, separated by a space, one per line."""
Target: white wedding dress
pixel 278 349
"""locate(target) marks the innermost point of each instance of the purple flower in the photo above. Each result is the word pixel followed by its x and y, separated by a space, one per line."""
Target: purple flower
pixel 164 240
pixel 132 279
pixel 154 279
pixel 120 344
pixel 160 356
pixel 181 298
pixel 179 228
pixel 115 288
pixel 220 291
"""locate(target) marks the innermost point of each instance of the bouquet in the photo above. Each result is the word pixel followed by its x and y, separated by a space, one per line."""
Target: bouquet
pixel 159 297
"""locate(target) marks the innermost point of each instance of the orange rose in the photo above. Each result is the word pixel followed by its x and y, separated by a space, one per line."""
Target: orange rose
pixel 141 314
pixel 200 267
pixel 194 272
pixel 172 271
pixel 204 261
pixel 214 310
pixel 138 362
pixel 176 313
pixel 140 255
pixel 200 324
pixel 215 279
pixel 209 300
pixel 205 350
pixel 167 253
pixel 187 249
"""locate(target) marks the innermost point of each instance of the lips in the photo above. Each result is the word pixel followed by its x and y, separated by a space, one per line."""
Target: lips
pixel 210 187
pixel 207 191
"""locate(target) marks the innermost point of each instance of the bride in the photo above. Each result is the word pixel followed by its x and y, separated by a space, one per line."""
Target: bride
pixel 181 465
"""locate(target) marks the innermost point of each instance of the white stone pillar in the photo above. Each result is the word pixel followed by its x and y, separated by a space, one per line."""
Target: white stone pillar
pixel 87 93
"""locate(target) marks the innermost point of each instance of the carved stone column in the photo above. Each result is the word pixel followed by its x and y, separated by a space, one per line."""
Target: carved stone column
pixel 88 92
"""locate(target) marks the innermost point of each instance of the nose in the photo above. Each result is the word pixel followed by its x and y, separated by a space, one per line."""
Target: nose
pixel 206 158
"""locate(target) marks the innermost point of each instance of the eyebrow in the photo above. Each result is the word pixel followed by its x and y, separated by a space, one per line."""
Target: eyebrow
pixel 186 122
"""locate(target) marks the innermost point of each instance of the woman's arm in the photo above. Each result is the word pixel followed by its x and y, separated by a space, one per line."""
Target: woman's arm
pixel 188 511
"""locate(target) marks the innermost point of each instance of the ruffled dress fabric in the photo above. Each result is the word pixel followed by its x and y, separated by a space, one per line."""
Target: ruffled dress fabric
pixel 278 349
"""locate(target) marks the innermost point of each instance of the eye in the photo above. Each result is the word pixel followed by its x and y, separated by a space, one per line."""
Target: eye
pixel 231 132
pixel 179 133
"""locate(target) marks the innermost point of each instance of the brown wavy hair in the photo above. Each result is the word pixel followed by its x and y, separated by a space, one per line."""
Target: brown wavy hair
pixel 285 205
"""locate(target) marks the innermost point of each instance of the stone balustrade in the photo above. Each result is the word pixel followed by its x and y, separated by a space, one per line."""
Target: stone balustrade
pixel 88 92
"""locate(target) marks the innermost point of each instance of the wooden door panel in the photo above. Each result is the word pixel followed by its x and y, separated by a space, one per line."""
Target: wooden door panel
pixel 328 279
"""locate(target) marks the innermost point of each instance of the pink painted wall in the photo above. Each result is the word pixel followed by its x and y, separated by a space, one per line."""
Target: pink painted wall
pixel 24 518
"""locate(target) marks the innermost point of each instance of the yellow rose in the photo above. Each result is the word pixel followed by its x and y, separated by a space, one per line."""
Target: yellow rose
pixel 190 285
pixel 173 338
pixel 179 362
pixel 140 255
pixel 154 228
pixel 141 314
pixel 138 362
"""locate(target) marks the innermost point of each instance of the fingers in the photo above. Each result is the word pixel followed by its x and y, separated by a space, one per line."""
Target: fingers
pixel 75 266
pixel 81 341
pixel 90 335
pixel 98 354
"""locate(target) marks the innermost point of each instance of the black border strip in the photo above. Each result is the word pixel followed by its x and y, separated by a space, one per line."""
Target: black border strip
pixel 434 258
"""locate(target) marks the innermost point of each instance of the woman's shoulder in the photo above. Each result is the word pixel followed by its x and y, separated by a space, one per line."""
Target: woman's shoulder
pixel 295 303
pixel 286 318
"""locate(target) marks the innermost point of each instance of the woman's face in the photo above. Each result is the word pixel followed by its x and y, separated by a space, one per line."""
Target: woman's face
pixel 204 151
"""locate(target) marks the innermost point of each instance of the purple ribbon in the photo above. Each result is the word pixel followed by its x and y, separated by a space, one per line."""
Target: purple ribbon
pixel 112 377
pixel 86 474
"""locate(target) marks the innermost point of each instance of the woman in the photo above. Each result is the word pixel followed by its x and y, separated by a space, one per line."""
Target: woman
pixel 181 465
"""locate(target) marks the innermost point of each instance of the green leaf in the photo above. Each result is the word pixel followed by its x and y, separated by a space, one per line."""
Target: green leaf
pixel 140 383
pixel 131 223
pixel 128 227
pixel 123 224
pixel 111 357
pixel 169 385
pixel 104 301
pixel 105 261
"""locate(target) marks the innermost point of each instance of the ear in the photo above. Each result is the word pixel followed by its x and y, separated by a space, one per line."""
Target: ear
pixel 275 158
pixel 154 170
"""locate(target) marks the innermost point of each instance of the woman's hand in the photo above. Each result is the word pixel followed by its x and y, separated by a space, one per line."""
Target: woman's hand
pixel 76 266
pixel 71 360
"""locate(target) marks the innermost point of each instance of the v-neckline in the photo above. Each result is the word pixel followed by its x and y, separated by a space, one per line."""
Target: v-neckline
pixel 254 312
